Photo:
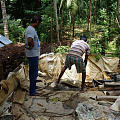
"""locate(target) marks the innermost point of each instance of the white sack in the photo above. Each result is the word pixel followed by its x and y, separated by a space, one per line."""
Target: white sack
pixel 116 105
pixel 53 63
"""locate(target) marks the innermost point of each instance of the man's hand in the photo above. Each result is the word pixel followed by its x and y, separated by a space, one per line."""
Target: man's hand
pixel 30 43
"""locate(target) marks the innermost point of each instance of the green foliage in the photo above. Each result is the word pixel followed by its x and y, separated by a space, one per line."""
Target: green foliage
pixel 103 17
pixel 55 100
pixel 47 27
pixel 74 7
pixel 96 54
pixel 105 33
pixel 43 37
pixel 1 29
pixel 16 31
pixel 61 49
pixel 97 57
pixel 95 48
pixel 31 12
pixel 118 46
pixel 104 26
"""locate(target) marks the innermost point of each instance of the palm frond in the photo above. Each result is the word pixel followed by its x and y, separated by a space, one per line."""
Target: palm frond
pixel 69 3
pixel 74 7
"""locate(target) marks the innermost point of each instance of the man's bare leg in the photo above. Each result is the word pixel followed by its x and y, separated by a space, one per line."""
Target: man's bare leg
pixel 61 74
pixel 83 80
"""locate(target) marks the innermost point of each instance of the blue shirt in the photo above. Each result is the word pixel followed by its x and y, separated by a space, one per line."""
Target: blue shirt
pixel 35 51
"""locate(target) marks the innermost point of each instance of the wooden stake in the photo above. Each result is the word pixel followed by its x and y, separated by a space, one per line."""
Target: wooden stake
pixel 103 88
pixel 106 98
pixel 114 84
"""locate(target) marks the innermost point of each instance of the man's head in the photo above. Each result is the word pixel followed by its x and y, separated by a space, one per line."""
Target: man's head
pixel 83 38
pixel 35 21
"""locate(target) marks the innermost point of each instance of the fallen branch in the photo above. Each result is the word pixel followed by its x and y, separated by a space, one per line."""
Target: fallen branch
pixel 103 88
pixel 110 84
pixel 106 98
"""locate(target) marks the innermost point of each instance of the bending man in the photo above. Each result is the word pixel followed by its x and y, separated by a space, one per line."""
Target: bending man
pixel 74 56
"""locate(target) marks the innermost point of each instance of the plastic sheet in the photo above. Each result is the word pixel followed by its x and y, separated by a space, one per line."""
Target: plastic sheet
pixel 53 63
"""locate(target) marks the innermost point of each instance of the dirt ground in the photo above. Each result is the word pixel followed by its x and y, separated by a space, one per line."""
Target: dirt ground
pixel 66 103
pixel 12 55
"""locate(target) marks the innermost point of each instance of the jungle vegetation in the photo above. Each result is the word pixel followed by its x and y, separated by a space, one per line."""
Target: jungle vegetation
pixel 65 20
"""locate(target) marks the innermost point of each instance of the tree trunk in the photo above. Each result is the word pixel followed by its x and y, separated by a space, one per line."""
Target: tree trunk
pixel 103 46
pixel 57 25
pixel 39 7
pixel 61 24
pixel 5 23
pixel 109 19
pixel 95 12
pixel 119 7
pixel 89 17
pixel 51 26
pixel 73 26
pixel 90 20
pixel 118 46
pixel 72 23
pixel 118 17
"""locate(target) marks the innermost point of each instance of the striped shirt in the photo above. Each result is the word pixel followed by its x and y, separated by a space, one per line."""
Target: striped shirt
pixel 79 47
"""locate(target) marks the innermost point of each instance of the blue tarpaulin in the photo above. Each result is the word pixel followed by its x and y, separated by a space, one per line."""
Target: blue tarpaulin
pixel 4 41
pixel 1 45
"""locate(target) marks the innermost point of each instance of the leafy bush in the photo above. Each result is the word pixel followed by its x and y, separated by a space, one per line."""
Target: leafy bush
pixel 16 31
pixel 103 17
pixel 1 27
pixel 61 49
pixel 43 37
pixel 95 49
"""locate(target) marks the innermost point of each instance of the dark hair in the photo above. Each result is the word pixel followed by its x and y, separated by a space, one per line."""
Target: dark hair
pixel 35 19
pixel 83 38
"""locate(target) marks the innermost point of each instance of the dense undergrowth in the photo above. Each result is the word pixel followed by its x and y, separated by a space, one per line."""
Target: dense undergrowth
pixel 101 41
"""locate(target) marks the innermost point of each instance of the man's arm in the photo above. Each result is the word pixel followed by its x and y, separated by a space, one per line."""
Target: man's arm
pixel 30 43
pixel 86 58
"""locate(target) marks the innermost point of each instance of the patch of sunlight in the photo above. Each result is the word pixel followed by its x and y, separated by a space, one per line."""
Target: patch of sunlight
pixel 112 45
pixel 78 30
pixel 75 39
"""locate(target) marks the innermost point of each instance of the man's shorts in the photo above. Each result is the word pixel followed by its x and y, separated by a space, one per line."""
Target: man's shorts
pixel 78 61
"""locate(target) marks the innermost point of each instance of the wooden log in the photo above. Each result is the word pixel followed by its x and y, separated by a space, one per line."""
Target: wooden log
pixel 103 88
pixel 113 93
pixel 114 84
pixel 106 98
pixel 109 88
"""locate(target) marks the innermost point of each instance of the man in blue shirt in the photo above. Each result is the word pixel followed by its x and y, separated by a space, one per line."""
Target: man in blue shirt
pixel 32 49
